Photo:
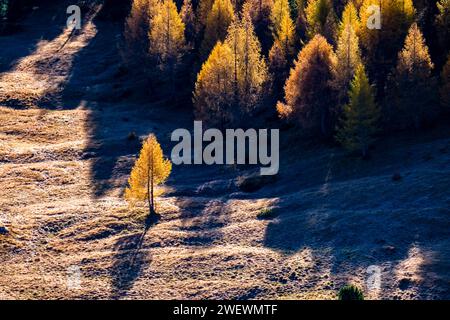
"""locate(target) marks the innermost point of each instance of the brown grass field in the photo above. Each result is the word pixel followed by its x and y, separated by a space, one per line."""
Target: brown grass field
pixel 65 115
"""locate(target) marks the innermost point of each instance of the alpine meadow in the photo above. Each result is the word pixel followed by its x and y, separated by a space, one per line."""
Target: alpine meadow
pixel 224 150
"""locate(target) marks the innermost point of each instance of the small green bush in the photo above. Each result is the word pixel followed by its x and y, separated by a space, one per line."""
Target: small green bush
pixel 350 292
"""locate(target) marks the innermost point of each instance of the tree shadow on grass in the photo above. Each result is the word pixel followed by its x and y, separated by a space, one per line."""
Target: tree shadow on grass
pixel 369 219
pixel 129 260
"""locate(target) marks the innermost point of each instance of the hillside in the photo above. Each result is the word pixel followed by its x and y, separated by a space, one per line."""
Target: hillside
pixel 66 112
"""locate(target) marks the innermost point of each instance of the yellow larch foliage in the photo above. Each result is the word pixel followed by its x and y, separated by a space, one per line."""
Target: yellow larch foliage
pixel 219 19
pixel 280 10
pixel 214 90
pixel 414 58
pixel 249 66
pixel 396 17
pixel 167 32
pixel 349 17
pixel 309 95
pixel 150 170
pixel 348 59
pixel 137 26
pixel 317 13
pixel 232 80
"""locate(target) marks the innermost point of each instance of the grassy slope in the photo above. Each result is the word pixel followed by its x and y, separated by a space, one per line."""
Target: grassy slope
pixel 64 166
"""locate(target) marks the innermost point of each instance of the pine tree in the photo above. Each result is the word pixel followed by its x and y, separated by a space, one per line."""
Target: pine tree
pixel 309 94
pixel 214 89
pixel 413 89
pixel 445 86
pixel 360 117
pixel 150 170
pixel 348 60
pixel 219 19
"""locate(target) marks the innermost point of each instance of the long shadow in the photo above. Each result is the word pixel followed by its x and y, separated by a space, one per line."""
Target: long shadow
pixel 365 223
pixel 129 260
pixel 96 84
pixel 33 28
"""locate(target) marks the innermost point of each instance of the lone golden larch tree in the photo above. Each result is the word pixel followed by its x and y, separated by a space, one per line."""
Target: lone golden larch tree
pixel 150 169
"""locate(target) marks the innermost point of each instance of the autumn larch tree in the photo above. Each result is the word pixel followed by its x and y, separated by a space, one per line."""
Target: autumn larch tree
pixel 219 19
pixel 137 26
pixel 167 40
pixel 259 11
pixel 381 46
pixel 203 9
pixel 188 17
pixel 321 19
pixel 349 17
pixel 150 170
pixel 214 89
pixel 250 73
pixel 348 60
pixel 445 86
pixel 280 55
pixel 232 81
pixel 412 97
pixel 280 10
pixel 360 116
pixel 167 32
pixel 309 94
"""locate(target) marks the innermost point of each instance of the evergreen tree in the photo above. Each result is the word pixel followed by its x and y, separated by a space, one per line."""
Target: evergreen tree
pixel 283 46
pixel 203 9
pixel 309 95
pixel 219 19
pixel 150 170
pixel 412 98
pixel 278 67
pixel 360 117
